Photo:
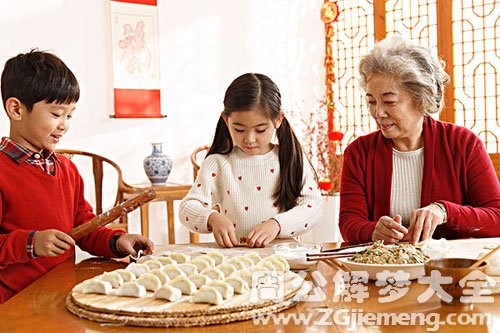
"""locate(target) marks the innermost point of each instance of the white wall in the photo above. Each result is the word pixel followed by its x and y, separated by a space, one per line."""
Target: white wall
pixel 204 45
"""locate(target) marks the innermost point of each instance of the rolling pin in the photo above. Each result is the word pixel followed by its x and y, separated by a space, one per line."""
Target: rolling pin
pixel 112 214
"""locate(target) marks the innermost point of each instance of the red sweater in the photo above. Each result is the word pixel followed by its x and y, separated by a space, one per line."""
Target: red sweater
pixel 457 172
pixel 33 200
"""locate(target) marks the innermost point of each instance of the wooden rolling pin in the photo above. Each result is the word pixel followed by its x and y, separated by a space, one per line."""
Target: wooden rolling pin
pixel 112 214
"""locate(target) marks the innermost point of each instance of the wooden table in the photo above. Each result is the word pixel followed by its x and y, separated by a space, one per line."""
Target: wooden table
pixel 41 308
pixel 168 193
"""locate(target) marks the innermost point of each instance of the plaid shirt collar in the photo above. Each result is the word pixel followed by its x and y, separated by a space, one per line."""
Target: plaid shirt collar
pixel 21 154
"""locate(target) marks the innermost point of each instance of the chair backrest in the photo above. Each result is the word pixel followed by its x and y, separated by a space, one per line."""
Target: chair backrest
pixel 195 158
pixel 98 163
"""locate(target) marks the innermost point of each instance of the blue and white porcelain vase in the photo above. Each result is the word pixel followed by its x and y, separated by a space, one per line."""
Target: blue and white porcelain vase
pixel 157 165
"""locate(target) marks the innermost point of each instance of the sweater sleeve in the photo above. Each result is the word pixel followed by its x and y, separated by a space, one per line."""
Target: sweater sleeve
pixel 196 207
pixel 354 222
pixel 13 245
pixel 97 242
pixel 481 218
pixel 308 211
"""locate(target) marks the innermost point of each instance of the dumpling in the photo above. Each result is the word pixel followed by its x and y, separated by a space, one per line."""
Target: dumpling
pixel 173 271
pixel 127 276
pixel 237 263
pixel 184 284
pixel 164 279
pixel 169 293
pixel 254 256
pixel 213 273
pixel 227 269
pixel 278 266
pixel 149 281
pixel 166 261
pixel 132 289
pixel 268 265
pixel 114 278
pixel 217 256
pixel 282 260
pixel 137 269
pixel 238 284
pixel 246 276
pixel 95 286
pixel 246 261
pixel 208 258
pixel 225 289
pixel 189 269
pixel 207 294
pixel 153 264
pixel 199 279
pixel 180 258
pixel 200 263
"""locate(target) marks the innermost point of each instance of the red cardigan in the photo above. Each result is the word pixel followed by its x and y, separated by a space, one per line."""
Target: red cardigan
pixel 457 172
pixel 33 200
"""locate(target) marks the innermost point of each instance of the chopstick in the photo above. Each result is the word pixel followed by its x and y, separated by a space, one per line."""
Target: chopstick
pixel 328 256
pixel 346 247
pixel 337 265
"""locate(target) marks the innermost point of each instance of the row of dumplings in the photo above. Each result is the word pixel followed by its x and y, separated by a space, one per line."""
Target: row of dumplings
pixel 208 278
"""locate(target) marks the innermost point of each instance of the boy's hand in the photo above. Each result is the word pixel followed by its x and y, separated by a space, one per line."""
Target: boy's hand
pixel 131 244
pixel 264 233
pixel 223 230
pixel 51 243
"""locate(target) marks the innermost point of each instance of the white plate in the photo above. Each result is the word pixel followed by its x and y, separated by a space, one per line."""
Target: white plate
pixel 414 270
pixel 295 253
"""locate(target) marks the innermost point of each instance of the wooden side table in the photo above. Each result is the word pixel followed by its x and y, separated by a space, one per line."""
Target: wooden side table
pixel 168 193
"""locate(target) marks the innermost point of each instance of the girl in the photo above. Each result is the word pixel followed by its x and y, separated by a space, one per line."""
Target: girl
pixel 258 190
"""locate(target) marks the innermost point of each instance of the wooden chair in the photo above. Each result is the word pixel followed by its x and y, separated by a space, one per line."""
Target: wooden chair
pixel 98 166
pixel 195 158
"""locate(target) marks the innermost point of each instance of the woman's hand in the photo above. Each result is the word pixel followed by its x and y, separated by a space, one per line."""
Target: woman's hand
pixel 423 222
pixel 389 230
pixel 51 243
pixel 264 233
pixel 131 244
pixel 223 230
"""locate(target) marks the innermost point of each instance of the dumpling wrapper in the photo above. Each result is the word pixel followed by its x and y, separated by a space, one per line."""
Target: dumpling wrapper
pixel 127 276
pixel 169 293
pixel 149 281
pixel 137 269
pixel 239 285
pixel 199 279
pixel 114 278
pixel 207 294
pixel 132 289
pixel 160 274
pixel 96 286
pixel 186 286
pixel 225 289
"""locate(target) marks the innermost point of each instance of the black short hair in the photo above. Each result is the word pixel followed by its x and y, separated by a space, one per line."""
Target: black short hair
pixel 38 76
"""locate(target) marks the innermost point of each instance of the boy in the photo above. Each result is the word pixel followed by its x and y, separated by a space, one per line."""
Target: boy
pixel 41 193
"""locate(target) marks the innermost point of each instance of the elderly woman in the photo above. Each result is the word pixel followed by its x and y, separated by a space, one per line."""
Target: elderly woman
pixel 416 177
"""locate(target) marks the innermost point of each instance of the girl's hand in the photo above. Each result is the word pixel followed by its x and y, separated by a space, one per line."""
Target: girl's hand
pixel 423 222
pixel 131 244
pixel 389 230
pixel 51 243
pixel 223 230
pixel 264 233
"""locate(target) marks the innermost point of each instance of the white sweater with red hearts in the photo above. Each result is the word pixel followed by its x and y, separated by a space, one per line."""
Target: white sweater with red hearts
pixel 242 187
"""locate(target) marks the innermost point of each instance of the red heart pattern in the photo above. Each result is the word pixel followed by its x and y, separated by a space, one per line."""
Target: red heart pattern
pixel 246 208
pixel 214 174
pixel 258 188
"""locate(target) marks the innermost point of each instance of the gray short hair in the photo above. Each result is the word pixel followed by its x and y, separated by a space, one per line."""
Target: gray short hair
pixel 422 73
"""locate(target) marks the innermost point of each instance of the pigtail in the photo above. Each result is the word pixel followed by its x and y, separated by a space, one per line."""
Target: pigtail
pixel 222 144
pixel 291 168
